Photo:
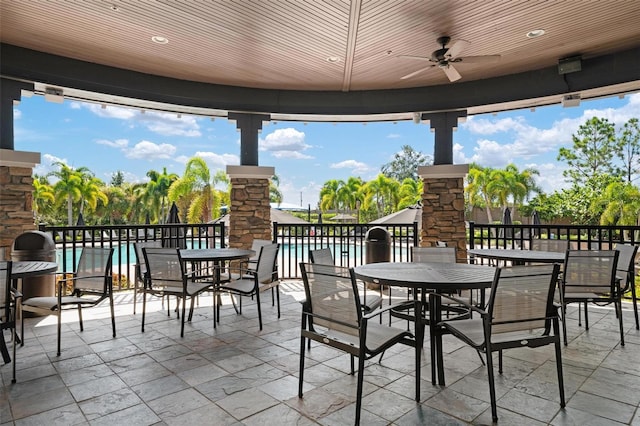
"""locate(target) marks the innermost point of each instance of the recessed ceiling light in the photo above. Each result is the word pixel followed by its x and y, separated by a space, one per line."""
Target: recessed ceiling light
pixel 333 59
pixel 115 8
pixel 535 33
pixel 160 39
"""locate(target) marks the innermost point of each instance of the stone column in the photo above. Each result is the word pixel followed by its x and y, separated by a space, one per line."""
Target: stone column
pixel 250 213
pixel 16 195
pixel 443 206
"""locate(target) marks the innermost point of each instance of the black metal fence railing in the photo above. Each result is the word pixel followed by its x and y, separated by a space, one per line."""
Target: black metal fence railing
pixel 348 243
pixel 70 240
pixel 581 237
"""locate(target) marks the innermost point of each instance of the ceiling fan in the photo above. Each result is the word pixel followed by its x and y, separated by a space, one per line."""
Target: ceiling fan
pixel 445 57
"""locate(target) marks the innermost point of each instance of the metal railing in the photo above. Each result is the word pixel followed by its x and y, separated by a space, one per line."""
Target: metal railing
pixel 581 237
pixel 347 242
pixel 70 240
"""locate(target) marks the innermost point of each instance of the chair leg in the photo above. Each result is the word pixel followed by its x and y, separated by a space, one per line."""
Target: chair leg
pixel 352 365
pixel 14 337
pixel 559 364
pixel 259 309
pixel 618 306
pixel 59 328
pixel 184 311
pixel 500 361
pixel 144 306
pixel 302 355
pixel 360 385
pixel 586 316
pixel 135 293
pixel 113 314
pixel 278 298
pixel 80 317
pixel 492 388
pixel 635 303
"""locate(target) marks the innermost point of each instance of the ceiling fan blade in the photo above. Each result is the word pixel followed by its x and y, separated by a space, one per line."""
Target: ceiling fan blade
pixel 456 48
pixel 478 59
pixel 420 58
pixel 452 73
pixel 415 72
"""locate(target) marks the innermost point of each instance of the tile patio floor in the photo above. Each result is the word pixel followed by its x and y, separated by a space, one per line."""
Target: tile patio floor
pixel 237 375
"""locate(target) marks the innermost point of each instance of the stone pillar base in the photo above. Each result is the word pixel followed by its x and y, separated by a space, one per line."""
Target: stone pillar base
pixel 16 195
pixel 443 207
pixel 250 213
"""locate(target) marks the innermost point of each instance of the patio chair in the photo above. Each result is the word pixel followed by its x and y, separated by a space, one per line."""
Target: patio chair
pixel 332 315
pixel 91 283
pixel 9 299
pixel 248 282
pixel 141 267
pixel 626 271
pixel 166 276
pixel 369 302
pixel 520 313
pixel 589 276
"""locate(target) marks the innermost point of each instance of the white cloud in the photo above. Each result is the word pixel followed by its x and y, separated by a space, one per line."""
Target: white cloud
pixel 218 161
pixel 150 151
pixel 46 166
pixel 285 143
pixel 356 166
pixel 118 143
pixel 163 123
pixel 393 136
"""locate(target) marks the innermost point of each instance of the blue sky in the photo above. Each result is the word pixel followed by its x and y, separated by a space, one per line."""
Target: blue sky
pixel 304 155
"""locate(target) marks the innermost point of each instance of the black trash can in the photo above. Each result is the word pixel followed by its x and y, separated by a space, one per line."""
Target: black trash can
pixel 35 245
pixel 378 245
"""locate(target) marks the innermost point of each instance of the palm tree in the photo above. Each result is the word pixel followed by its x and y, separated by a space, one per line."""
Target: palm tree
pixel 198 183
pixel 275 195
pixel 478 189
pixel 349 192
pixel 43 197
pixel 158 190
pixel 68 187
pixel 91 192
pixel 621 202
pixel 410 193
pixel 329 199
pixel 383 193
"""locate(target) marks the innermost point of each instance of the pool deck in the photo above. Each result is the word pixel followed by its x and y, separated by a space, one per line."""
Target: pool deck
pixel 238 375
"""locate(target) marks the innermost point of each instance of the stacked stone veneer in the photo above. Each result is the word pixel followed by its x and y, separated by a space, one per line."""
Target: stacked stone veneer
pixel 443 213
pixel 16 199
pixel 250 216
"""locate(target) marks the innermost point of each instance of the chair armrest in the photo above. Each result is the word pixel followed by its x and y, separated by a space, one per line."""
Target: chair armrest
pixel 409 304
pixel 463 303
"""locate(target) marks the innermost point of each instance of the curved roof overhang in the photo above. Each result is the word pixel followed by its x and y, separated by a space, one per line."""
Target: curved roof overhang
pixel 608 75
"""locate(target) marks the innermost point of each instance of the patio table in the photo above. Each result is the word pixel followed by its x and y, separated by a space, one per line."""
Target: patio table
pixel 435 278
pixel 519 257
pixel 24 269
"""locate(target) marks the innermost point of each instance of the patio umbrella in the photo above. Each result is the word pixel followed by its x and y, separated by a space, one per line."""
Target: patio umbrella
pixel 506 220
pixel 536 221
pixel 174 237
pixel 80 220
pixel 341 217
pixel 409 214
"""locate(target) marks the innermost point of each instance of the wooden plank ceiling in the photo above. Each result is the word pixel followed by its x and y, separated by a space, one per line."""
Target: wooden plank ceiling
pixel 290 44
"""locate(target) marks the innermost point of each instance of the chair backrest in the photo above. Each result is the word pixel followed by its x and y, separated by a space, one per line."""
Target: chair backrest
pixel 164 266
pixel 256 244
pixel 626 257
pixel 322 256
pixel 267 267
pixel 5 291
pixel 433 254
pixel 93 274
pixel 559 246
pixel 332 297
pixel 522 297
pixel 592 271
pixel 141 265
